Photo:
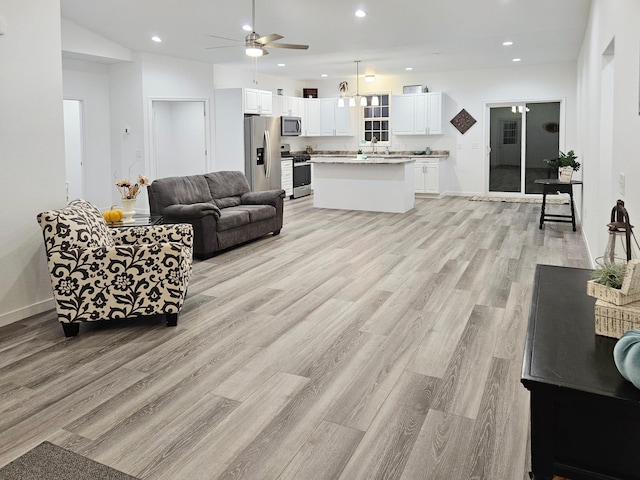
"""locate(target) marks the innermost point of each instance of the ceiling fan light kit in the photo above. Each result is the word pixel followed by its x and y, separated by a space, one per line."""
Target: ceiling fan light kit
pixel 255 45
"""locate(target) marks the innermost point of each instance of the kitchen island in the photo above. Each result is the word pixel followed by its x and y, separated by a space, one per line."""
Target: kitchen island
pixel 376 184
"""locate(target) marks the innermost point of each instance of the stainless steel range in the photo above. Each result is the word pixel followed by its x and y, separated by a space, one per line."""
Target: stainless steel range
pixel 301 171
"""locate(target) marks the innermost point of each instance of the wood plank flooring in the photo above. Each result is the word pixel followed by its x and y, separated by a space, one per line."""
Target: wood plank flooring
pixel 354 345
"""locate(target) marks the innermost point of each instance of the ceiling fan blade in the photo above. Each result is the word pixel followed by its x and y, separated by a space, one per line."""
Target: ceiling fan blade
pixel 225 38
pixel 269 38
pixel 287 45
pixel 222 46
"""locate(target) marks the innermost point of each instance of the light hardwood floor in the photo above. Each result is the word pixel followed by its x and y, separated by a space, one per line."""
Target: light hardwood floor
pixel 354 345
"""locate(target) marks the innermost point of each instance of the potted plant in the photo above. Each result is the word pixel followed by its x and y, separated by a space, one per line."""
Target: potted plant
pixel 566 164
pixel 359 155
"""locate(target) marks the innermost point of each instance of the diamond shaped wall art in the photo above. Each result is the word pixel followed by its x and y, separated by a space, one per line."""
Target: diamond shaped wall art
pixel 463 121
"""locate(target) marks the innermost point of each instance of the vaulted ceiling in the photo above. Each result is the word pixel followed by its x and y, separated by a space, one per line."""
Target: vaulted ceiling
pixel 427 35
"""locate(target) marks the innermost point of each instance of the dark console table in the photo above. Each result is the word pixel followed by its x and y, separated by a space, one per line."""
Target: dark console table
pixel 552 186
pixel 585 418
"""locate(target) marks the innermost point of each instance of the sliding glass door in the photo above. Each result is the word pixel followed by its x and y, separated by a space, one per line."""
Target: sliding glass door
pixel 522 135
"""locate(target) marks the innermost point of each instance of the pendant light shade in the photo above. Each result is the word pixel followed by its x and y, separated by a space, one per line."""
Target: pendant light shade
pixel 363 101
pixel 341 102
pixel 352 102
pixel 375 101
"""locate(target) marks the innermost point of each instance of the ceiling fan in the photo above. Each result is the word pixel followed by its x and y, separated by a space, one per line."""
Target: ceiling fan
pixel 255 45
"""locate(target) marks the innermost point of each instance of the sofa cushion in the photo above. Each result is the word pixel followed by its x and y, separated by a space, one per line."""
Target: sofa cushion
pixel 258 212
pixel 226 184
pixel 226 202
pixel 177 191
pixel 232 217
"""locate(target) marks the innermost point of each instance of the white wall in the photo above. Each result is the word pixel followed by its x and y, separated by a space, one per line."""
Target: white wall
pixel 31 151
pixel 89 82
pixel 227 77
pixel 466 168
pixel 614 142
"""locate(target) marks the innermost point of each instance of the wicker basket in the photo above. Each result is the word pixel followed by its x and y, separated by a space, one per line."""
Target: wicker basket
pixel 629 293
pixel 613 320
pixel 611 295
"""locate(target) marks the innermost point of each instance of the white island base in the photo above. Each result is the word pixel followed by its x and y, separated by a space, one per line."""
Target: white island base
pixel 371 185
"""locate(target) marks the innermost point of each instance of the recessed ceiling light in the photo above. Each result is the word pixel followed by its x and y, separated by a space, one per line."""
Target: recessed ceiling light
pixel 361 13
pixel 408 69
pixel 507 43
pixel 281 64
pixel 516 60
pixel 156 39
pixel 247 28
pixel 370 78
pixel 324 75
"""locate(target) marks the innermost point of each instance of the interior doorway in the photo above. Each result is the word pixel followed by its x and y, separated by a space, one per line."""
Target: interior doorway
pixel 521 136
pixel 74 147
pixel 179 137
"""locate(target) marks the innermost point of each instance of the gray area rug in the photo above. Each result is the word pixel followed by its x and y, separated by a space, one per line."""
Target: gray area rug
pixel 479 198
pixel 50 462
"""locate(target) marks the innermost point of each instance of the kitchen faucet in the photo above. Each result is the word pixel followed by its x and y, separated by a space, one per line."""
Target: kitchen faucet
pixel 374 140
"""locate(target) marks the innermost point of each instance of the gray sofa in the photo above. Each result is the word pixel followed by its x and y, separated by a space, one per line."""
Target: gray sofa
pixel 220 206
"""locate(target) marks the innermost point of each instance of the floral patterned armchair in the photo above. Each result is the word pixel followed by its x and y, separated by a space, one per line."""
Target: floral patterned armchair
pixel 102 273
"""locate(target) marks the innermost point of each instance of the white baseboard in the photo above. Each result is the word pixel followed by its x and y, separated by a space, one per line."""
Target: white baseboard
pixel 26 312
pixel 460 194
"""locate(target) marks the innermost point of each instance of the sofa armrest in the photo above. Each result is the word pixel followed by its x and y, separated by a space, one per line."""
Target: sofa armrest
pixel 192 211
pixel 267 197
pixel 181 233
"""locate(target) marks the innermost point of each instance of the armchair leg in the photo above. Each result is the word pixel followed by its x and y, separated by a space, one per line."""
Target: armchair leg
pixel 277 232
pixel 172 319
pixel 71 329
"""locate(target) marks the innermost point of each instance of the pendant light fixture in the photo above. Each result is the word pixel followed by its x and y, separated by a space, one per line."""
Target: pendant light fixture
pixel 357 97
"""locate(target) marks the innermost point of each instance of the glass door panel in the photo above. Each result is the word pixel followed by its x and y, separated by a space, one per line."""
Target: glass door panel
pixel 542 141
pixel 505 159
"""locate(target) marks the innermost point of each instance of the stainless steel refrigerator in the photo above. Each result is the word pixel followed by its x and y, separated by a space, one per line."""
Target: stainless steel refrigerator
pixel 262 152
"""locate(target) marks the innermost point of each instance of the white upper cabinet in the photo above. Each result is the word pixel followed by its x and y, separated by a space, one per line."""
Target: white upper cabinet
pixel 434 113
pixel 324 118
pixel 417 114
pixel 311 123
pixel 343 119
pixel 403 114
pixel 289 106
pixel 327 117
pixel 258 101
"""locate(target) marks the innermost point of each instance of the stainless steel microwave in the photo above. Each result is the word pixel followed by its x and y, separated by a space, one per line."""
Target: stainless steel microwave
pixel 290 126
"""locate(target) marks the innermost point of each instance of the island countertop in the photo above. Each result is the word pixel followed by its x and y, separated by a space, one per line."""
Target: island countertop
pixel 439 154
pixel 365 161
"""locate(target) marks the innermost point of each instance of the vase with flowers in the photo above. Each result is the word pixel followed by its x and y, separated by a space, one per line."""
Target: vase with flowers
pixel 129 192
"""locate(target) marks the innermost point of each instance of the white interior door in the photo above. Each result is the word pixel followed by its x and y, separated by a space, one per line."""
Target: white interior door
pixel 179 140
pixel 73 146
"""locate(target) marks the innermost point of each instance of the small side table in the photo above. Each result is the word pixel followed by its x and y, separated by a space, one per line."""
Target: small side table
pixel 139 221
pixel 553 185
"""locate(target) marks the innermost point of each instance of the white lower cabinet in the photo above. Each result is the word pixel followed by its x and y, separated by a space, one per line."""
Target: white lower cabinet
pixel 427 176
pixel 287 176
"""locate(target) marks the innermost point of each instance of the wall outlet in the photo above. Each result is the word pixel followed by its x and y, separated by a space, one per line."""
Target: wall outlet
pixel 139 153
pixel 622 181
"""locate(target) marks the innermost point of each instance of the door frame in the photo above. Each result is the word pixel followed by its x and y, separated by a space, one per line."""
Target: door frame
pixel 151 160
pixel 83 144
pixel 523 142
